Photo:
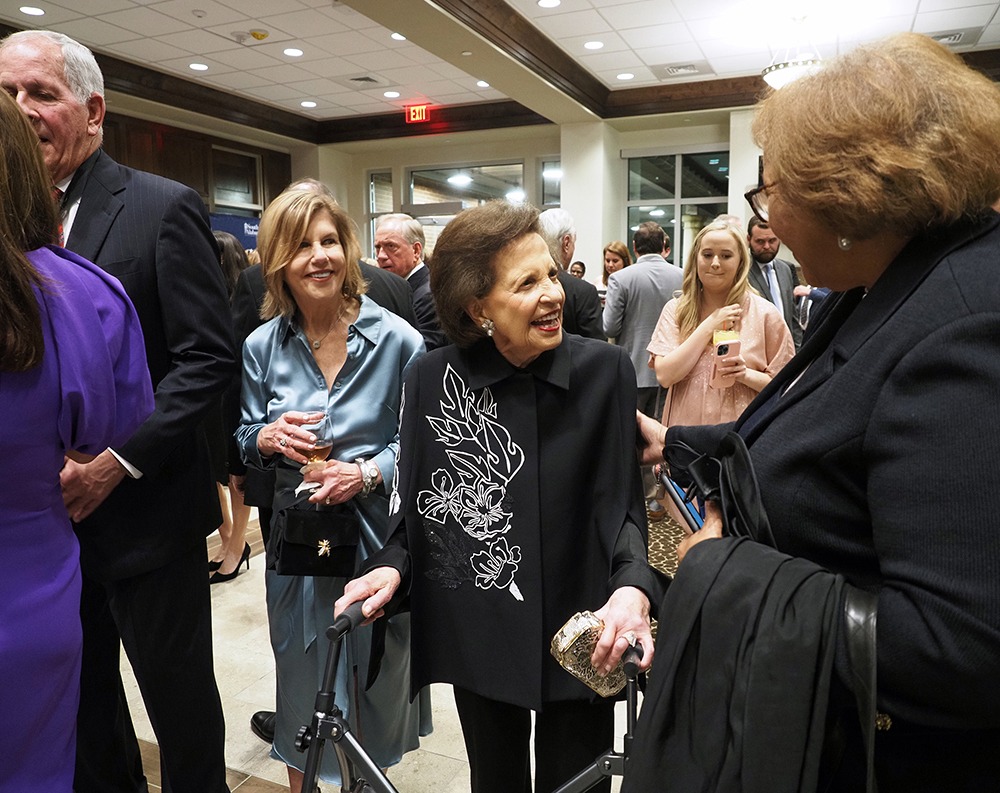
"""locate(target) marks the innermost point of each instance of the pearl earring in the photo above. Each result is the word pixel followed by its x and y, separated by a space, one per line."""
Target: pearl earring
pixel 489 327
pixel 844 243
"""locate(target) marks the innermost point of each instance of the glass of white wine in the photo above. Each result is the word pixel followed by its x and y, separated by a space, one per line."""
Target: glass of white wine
pixel 323 430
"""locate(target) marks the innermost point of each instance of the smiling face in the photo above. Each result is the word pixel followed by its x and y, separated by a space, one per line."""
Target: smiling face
pixel 32 72
pixel 718 262
pixel 315 275
pixel 613 262
pixel 525 303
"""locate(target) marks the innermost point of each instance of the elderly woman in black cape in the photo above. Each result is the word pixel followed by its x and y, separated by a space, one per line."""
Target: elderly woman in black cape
pixel 518 503
pixel 875 451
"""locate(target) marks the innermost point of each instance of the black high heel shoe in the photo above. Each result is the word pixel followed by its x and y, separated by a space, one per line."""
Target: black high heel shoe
pixel 213 566
pixel 220 578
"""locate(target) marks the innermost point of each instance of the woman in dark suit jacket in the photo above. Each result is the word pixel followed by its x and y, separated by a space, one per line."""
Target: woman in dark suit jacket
pixel 876 447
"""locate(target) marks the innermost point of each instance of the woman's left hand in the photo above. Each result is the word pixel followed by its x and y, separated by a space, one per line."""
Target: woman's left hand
pixel 339 482
pixel 627 611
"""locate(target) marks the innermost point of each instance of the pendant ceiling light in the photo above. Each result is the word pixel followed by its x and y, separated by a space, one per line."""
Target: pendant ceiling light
pixel 795 61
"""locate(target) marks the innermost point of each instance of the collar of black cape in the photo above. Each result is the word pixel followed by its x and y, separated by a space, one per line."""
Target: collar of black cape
pixel 487 366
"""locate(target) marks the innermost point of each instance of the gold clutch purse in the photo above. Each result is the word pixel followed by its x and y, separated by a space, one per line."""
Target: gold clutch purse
pixel 572 647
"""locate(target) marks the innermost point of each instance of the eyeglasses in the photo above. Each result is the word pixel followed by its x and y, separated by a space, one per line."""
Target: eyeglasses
pixel 757 199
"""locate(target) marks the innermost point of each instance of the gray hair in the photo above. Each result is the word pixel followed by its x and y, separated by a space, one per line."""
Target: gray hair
pixel 80 69
pixel 410 228
pixel 555 224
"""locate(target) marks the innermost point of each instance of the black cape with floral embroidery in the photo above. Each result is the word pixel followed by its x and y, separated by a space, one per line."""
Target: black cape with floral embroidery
pixel 517 502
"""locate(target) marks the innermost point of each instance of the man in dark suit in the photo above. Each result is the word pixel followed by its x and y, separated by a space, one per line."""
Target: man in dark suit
pixel 582 312
pixel 142 510
pixel 774 278
pixel 399 248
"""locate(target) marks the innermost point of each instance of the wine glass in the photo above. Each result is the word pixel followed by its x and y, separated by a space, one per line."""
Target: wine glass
pixel 322 428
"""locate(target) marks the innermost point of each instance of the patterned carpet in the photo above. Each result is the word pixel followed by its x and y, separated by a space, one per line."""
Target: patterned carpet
pixel 664 537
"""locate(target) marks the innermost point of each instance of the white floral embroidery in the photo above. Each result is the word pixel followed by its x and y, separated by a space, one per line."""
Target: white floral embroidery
pixel 484 459
pixel 394 500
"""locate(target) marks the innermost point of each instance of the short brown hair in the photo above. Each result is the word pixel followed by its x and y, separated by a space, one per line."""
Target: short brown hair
pixel 27 222
pixel 463 268
pixel 898 136
pixel 282 228
pixel 619 249
pixel 649 238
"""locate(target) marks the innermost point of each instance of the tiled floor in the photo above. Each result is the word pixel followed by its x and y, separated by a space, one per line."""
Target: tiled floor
pixel 244 668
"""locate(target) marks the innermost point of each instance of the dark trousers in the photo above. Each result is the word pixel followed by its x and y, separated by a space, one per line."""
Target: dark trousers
pixel 568 737
pixel 164 620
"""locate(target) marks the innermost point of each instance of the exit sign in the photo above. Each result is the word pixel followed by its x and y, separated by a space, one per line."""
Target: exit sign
pixel 416 113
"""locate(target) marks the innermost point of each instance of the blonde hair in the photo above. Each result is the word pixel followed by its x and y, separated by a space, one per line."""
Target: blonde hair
pixel 282 228
pixel 899 136
pixel 619 249
pixel 689 300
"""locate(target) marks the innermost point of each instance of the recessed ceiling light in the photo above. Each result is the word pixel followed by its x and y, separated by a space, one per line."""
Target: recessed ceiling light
pixel 31 11
pixel 593 45
pixel 657 213
pixel 635 228
pixel 398 37
pixel 483 84
pixel 467 52
pixel 549 3
pixel 391 94
pixel 199 67
pixel 552 173
pixel 308 103
pixel 515 196
pixel 293 52
pixel 626 76
pixel 460 179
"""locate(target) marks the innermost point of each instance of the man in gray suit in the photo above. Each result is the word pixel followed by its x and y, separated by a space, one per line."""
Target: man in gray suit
pixel 774 278
pixel 636 296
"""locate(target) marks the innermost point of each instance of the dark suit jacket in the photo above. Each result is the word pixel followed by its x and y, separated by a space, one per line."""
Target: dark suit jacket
pixel 786 285
pixel 423 302
pixel 582 312
pixel 153 235
pixel 880 463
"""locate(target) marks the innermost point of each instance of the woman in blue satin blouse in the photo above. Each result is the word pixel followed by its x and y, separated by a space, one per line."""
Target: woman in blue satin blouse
pixel 328 350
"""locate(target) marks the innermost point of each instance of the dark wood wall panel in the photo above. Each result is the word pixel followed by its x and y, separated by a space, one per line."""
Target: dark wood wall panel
pixel 189 157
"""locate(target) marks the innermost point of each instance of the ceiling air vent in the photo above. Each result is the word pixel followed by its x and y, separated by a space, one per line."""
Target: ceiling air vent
pixel 367 79
pixel 672 71
pixel 966 37
pixel 362 81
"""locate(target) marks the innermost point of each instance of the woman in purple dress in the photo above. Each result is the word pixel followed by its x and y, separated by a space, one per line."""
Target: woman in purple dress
pixel 73 381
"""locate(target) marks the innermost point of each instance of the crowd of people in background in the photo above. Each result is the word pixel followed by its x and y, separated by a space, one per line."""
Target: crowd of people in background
pixel 465 416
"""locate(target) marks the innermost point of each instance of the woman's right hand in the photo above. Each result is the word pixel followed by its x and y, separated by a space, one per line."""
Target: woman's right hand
pixel 286 436
pixel 721 317
pixel 375 587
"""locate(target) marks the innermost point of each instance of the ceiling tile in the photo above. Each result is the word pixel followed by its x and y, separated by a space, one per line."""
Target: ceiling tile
pixel 329 67
pixel 54 14
pixel 947 5
pixel 409 74
pixel 143 50
pixel 304 24
pixel 579 23
pixel 94 32
pixel 531 9
pixel 182 66
pixel 238 81
pixel 704 9
pixel 379 60
pixel 275 92
pixel 748 63
pixel 654 56
pixel 724 48
pixel 348 16
pixel 657 35
pixel 263 8
pixel 340 44
pixel 145 21
pixel 447 70
pixel 283 73
pixel 958 18
pixel 319 87
pixel 642 75
pixel 609 3
pixel 94 7
pixel 245 58
pixel 214 13
pixel 200 41
pixel 625 59
pixel 640 15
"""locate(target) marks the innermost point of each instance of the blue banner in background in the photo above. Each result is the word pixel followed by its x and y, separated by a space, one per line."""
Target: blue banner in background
pixel 241 227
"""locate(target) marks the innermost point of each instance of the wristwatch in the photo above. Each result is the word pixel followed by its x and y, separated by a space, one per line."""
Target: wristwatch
pixel 369 475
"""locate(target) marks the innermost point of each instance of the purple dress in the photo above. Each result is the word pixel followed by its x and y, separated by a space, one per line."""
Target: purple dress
pixel 91 391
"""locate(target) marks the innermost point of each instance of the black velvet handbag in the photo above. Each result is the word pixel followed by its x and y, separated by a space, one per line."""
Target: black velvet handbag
pixel 316 541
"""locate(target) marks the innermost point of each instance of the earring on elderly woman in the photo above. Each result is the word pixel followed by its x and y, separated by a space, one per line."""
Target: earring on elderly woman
pixel 844 243
pixel 489 327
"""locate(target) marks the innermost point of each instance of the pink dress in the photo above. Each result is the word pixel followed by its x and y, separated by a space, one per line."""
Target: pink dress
pixel 765 344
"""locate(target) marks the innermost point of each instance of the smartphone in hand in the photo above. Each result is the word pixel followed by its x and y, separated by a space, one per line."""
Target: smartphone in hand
pixel 725 352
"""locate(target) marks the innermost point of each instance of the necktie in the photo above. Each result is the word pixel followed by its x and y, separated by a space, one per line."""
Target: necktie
pixel 57 195
pixel 772 282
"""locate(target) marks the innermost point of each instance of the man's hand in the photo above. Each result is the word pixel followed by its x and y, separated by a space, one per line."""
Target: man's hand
pixel 85 486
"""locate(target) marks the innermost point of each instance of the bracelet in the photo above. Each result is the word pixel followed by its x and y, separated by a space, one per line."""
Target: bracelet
pixel 369 475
